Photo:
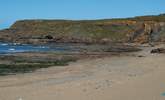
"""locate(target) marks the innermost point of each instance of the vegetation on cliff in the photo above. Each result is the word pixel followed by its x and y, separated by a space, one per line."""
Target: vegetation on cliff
pixel 139 29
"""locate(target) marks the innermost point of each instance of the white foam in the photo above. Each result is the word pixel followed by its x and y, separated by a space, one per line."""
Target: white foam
pixel 11 49
pixel 43 47
pixel 4 44
pixel 16 43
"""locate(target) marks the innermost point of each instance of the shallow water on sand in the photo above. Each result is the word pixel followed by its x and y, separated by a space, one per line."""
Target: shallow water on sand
pixel 163 94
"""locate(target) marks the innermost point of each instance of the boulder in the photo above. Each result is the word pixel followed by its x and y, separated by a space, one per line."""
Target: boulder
pixel 158 50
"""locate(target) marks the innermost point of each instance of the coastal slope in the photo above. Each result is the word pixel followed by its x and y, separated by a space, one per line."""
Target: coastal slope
pixel 143 29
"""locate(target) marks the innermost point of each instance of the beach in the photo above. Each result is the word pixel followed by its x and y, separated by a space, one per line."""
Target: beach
pixel 122 77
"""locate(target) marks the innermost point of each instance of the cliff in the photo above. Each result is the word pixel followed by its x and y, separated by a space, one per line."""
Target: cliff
pixel 142 29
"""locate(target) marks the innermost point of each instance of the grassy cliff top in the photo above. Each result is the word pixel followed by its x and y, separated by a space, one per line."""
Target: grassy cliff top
pixel 123 29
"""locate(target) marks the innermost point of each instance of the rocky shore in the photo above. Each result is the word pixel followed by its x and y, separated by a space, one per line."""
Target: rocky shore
pixel 125 76
pixel 26 62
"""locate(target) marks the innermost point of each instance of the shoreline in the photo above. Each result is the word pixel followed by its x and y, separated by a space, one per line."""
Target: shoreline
pixel 108 78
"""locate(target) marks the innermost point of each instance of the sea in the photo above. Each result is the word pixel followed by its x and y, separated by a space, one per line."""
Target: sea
pixel 8 48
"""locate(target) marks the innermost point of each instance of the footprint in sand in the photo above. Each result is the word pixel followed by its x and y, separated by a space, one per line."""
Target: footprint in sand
pixel 20 98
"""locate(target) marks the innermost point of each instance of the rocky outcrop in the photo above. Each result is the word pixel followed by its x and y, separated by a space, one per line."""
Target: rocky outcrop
pixel 144 29
pixel 149 31
pixel 158 50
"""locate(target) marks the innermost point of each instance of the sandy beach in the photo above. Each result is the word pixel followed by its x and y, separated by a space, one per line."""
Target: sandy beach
pixel 82 50
pixel 124 77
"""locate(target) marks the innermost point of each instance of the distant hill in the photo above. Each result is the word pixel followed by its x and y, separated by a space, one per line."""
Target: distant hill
pixel 141 29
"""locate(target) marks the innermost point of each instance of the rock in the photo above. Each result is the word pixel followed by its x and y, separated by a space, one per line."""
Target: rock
pixel 158 50
pixel 140 56
pixel 104 40
pixel 48 37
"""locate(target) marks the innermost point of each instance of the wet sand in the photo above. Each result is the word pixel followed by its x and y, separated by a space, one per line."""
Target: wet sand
pixel 125 77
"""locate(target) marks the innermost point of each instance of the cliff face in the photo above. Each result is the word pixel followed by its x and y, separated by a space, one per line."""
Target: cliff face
pixel 149 31
pixel 139 29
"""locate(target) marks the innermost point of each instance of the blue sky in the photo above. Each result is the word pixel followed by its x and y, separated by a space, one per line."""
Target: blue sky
pixel 12 10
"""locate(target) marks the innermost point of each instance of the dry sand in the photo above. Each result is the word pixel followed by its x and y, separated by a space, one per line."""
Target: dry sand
pixel 111 78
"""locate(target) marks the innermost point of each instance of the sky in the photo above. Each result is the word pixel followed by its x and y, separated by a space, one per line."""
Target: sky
pixel 12 10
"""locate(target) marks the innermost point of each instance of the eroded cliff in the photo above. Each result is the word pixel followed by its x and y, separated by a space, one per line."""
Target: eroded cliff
pixel 143 29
